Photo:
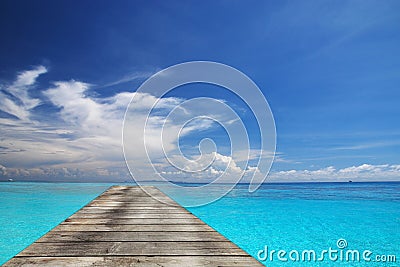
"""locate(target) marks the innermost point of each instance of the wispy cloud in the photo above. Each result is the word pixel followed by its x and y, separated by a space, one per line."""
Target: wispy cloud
pixel 367 145
pixel 137 75
pixel 15 99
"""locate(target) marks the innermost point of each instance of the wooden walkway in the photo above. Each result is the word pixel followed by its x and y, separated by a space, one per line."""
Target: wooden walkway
pixel 126 227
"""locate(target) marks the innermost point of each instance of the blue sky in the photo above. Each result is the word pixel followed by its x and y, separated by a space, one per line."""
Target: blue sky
pixel 329 70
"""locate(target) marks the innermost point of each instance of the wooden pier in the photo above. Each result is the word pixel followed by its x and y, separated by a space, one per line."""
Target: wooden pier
pixel 126 227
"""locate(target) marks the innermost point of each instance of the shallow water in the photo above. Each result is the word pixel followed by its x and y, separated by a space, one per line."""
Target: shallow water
pixel 29 210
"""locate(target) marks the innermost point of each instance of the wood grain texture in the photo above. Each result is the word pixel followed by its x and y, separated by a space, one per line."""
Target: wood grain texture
pixel 156 261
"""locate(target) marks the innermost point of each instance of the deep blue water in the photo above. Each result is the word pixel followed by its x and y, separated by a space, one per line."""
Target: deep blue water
pixel 308 216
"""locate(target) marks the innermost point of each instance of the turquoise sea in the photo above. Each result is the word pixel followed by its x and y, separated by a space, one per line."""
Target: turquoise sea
pixel 287 217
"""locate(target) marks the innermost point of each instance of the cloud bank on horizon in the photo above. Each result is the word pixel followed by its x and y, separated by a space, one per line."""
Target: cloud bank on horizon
pixel 78 138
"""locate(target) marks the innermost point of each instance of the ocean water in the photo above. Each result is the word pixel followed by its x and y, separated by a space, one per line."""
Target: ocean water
pixel 290 217
pixel 29 210
pixel 311 216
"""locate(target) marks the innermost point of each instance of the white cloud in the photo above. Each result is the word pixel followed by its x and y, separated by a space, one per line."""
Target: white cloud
pixel 364 172
pixel 207 168
pixel 21 86
pixel 10 107
pixel 15 99
pixel 130 77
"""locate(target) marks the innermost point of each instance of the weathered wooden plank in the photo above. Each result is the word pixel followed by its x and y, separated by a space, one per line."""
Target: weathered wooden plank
pixel 92 236
pixel 110 212
pixel 133 208
pixel 134 197
pixel 202 248
pixel 132 227
pixel 155 261
pixel 126 215
pixel 109 221
pixel 115 190
pixel 142 200
pixel 155 204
